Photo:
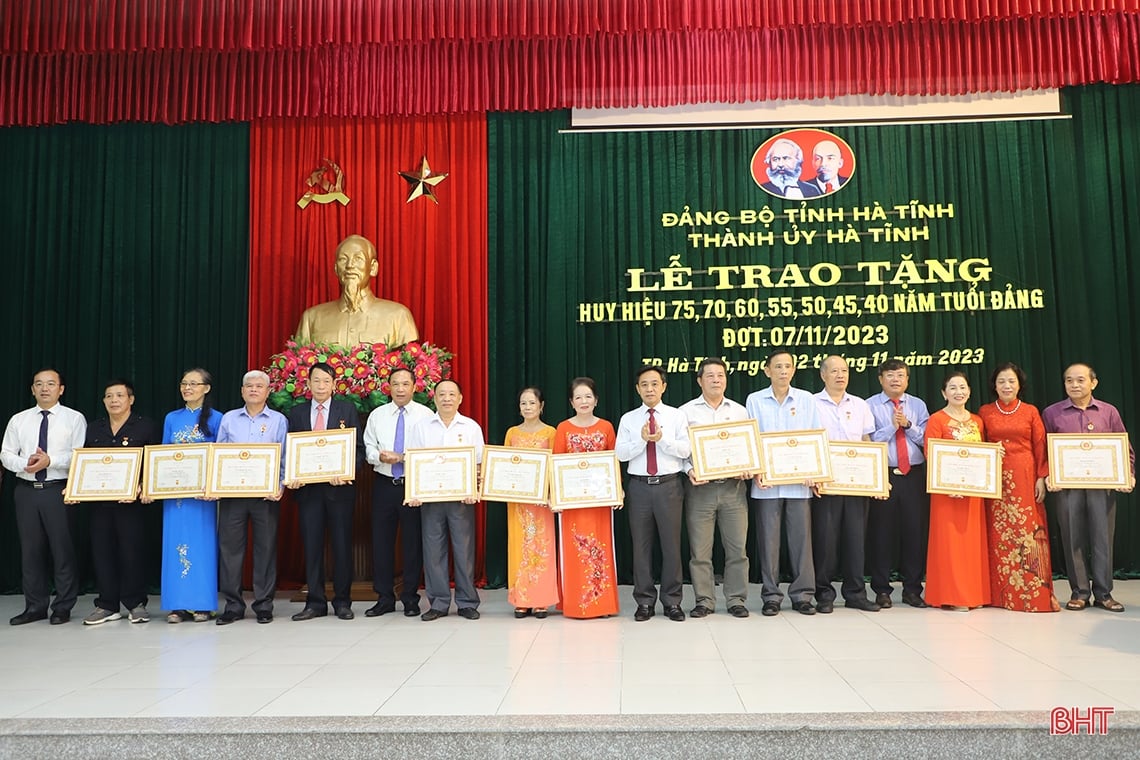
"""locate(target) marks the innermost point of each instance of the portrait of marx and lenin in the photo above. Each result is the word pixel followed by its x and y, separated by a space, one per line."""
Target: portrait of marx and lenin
pixel 803 164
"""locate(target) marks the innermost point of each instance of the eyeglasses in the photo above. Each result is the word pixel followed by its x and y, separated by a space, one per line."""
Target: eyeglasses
pixel 191 385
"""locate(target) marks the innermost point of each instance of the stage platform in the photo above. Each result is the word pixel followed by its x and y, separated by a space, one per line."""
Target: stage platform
pixel 898 683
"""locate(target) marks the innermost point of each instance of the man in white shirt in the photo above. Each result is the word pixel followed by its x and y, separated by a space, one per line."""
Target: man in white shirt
pixel 654 439
pixel 720 502
pixel 38 446
pixel 385 437
pixel 448 522
pixel 839 523
pixel 780 408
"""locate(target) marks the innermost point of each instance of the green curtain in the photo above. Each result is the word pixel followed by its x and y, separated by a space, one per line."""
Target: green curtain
pixel 127 255
pixel 1043 201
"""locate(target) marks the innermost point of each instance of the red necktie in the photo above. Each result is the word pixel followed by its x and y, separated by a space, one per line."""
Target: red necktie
pixel 320 423
pixel 901 449
pixel 828 187
pixel 651 448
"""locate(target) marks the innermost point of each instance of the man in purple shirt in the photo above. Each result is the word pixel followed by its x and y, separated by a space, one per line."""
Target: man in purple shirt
pixel 1087 516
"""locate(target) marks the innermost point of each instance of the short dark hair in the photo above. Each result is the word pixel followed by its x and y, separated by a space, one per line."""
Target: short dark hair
pixel 711 361
pixel 1092 372
pixel 323 367
pixel 890 365
pixel 535 390
pixel 953 374
pixel 586 381
pixel 49 369
pixel 1022 378
pixel 458 387
pixel 120 381
pixel 648 368
pixel 401 369
pixel 779 352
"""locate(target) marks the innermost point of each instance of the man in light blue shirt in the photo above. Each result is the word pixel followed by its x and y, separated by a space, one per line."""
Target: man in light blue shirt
pixel 780 408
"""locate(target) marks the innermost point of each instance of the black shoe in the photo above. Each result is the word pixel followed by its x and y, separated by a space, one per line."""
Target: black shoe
pixel 411 611
pixel 804 608
pixel 738 611
pixel 675 613
pixel 644 612
pixel 699 611
pixel 914 600
pixel 382 608
pixel 541 613
pixel 433 614
pixel 825 608
pixel 228 617
pixel 26 617
pixel 265 617
pixel 344 613
pixel 521 612
pixel 469 612
pixel 770 609
pixel 61 617
pixel 883 600
pixel 309 613
pixel 862 603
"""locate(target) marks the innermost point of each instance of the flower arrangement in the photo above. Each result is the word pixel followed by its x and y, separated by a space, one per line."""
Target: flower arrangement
pixel 361 372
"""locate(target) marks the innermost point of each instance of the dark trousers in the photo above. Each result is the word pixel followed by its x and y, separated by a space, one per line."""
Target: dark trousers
pixel 449 525
pixel 901 523
pixel 838 532
pixel 234 515
pixel 655 512
pixel 117 543
pixel 388 515
pixel 321 507
pixel 43 523
pixel 1087 519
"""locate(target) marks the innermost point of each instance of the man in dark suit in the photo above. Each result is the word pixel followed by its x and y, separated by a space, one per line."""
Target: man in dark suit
pixel 828 161
pixel 321 505
pixel 785 161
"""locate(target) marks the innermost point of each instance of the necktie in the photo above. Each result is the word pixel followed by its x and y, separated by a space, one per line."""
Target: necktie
pixel 901 449
pixel 41 476
pixel 320 423
pixel 828 187
pixel 398 444
pixel 651 447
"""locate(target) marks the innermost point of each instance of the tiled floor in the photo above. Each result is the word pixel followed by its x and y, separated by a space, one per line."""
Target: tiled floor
pixel 901 659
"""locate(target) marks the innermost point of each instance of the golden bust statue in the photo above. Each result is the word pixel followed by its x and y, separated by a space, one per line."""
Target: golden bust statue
pixel 357 316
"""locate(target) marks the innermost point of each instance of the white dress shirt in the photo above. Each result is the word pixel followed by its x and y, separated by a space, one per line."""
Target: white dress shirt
pixel 432 433
pixel 849 420
pixel 67 430
pixel 673 448
pixel 380 431
pixel 700 412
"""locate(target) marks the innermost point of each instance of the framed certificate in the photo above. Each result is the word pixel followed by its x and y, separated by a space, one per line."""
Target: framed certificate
pixel 588 479
pixel 518 475
pixel 320 456
pixel 176 471
pixel 795 456
pixel 244 470
pixel 859 469
pixel 110 474
pixel 963 469
pixel 725 450
pixel 444 474
pixel 1077 460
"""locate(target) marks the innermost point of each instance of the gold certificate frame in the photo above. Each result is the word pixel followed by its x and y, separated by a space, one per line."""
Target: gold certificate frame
pixel 1079 460
pixel 176 471
pixel 105 474
pixel 725 449
pixel 794 456
pixel 244 470
pixel 321 455
pixel 515 475
pixel 586 479
pixel 961 468
pixel 442 474
pixel 859 468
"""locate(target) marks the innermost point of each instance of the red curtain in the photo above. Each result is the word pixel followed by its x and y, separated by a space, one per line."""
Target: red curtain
pixel 433 258
pixel 40 26
pixel 645 66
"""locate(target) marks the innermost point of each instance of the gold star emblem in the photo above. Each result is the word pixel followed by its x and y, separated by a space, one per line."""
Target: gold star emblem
pixel 423 182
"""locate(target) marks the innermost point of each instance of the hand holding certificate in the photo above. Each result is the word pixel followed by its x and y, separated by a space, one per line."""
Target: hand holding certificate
pixel 859 469
pixel 1077 460
pixel 795 457
pixel 961 468
pixel 176 471
pixel 320 457
pixel 440 474
pixel 585 479
pixel 725 450
pixel 110 474
pixel 515 475
pixel 244 470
